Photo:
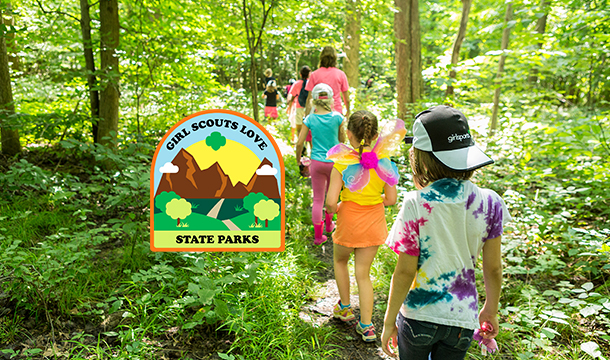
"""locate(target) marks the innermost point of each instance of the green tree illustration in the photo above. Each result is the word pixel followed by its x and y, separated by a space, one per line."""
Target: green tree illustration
pixel 252 199
pixel 266 210
pixel 162 199
pixel 178 209
pixel 215 140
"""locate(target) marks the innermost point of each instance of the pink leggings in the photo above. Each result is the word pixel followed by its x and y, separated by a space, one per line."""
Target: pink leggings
pixel 320 179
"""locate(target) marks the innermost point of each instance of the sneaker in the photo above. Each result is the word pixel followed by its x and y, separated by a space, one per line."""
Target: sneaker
pixel 368 333
pixel 343 314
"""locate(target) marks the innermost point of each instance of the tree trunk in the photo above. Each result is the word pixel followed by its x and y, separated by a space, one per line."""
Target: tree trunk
pixel 9 138
pixel 94 97
pixel 540 30
pixel 402 25
pixel 253 38
pixel 11 46
pixel 178 224
pixel 505 37
pixel 416 82
pixel 408 56
pixel 266 223
pixel 457 45
pixel 108 123
pixel 352 42
pixel 254 87
pixel 256 220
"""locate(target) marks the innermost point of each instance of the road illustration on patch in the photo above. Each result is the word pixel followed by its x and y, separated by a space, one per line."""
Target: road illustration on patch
pixel 217 184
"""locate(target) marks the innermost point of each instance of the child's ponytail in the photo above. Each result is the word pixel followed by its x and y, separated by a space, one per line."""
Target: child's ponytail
pixel 366 134
pixel 363 125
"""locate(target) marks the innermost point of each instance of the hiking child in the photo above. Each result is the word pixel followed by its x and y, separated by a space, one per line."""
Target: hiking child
pixel 368 179
pixel 325 126
pixel 438 234
pixel 271 97
pixel 298 92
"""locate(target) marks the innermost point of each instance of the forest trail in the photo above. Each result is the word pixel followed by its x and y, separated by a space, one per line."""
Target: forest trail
pixel 231 225
pixel 213 213
pixel 285 148
pixel 320 312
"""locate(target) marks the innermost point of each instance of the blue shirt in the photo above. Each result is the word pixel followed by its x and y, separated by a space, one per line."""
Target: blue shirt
pixel 324 133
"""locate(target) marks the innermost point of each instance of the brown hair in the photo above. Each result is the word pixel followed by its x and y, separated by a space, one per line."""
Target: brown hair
pixel 328 57
pixel 305 72
pixel 363 124
pixel 427 169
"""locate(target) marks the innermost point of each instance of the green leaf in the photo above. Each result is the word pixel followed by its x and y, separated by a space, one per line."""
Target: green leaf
pixel 549 333
pixel 221 308
pixel 206 296
pixel 193 288
pixel 591 348
pixel 588 286
pixel 590 310
pixel 189 325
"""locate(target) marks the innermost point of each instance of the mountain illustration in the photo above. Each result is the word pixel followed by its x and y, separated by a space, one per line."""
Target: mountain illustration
pixel 190 182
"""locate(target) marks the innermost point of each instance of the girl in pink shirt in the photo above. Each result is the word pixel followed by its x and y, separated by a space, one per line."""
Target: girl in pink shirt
pixel 327 73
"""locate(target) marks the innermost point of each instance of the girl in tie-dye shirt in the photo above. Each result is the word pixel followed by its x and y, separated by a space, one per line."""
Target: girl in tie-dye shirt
pixel 438 234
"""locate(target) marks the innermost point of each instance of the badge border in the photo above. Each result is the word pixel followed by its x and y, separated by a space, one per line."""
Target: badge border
pixel 230 249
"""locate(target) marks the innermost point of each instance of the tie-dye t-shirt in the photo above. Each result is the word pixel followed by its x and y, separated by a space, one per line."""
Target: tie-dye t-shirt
pixel 446 224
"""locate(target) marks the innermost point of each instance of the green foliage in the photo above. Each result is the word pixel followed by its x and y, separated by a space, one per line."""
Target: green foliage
pixel 178 209
pixel 164 198
pixel 266 210
pixel 74 233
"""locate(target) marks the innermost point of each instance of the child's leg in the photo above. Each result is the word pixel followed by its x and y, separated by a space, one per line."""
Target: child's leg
pixel 340 258
pixel 363 258
pixel 320 178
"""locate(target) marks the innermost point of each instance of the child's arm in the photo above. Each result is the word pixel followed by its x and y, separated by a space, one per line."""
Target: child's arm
pixel 334 189
pixel 342 132
pixel 345 95
pixel 492 275
pixel 404 273
pixel 301 141
pixel 389 195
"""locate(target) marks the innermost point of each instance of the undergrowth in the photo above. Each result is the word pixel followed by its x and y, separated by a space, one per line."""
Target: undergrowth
pixel 74 248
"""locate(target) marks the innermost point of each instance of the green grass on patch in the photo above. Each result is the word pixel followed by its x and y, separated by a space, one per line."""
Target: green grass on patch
pixel 194 221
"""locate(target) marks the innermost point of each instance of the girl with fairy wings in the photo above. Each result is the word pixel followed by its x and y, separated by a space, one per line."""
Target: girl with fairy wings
pixel 365 179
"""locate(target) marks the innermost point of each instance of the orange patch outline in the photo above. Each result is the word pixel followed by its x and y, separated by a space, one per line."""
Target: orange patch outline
pixel 232 249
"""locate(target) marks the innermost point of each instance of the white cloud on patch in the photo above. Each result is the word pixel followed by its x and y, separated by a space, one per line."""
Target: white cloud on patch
pixel 266 170
pixel 169 168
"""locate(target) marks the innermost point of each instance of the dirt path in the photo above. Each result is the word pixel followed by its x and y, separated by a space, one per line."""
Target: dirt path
pixel 231 225
pixel 320 312
pixel 213 213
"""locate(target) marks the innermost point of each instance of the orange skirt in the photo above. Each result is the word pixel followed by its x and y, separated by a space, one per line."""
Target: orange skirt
pixel 360 226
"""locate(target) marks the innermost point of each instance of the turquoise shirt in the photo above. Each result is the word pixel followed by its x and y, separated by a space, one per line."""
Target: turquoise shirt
pixel 324 133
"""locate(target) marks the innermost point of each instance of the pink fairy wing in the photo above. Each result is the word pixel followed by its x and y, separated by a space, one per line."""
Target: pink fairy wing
pixel 390 138
pixel 343 154
pixel 387 171
pixel 355 177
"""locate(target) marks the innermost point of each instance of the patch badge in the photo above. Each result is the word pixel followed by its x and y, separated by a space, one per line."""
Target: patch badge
pixel 217 184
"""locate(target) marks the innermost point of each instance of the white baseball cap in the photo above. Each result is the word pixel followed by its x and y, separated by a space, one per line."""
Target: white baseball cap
pixel 322 88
